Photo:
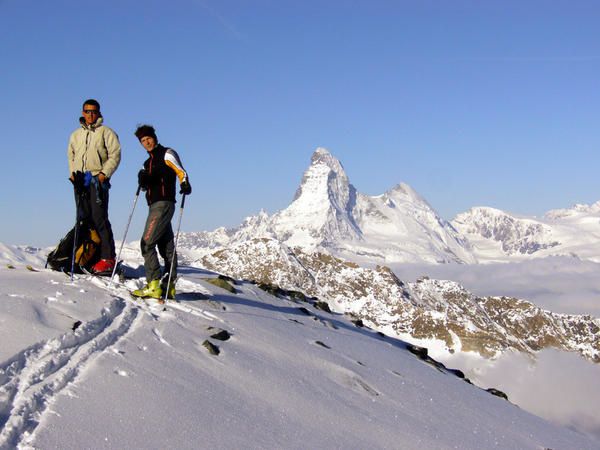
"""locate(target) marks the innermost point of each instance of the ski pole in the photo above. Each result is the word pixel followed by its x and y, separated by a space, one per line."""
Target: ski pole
pixel 174 249
pixel 74 244
pixel 76 236
pixel 137 194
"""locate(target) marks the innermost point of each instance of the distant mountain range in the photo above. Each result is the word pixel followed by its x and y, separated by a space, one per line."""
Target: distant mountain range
pixel 328 214
pixel 495 235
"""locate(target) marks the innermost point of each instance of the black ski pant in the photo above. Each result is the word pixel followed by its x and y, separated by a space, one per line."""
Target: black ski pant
pixel 158 232
pixel 93 205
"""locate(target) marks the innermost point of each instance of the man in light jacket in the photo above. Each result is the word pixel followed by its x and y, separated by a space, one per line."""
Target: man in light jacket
pixel 94 153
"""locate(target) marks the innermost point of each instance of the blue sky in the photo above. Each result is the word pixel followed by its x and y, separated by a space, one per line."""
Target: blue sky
pixel 472 103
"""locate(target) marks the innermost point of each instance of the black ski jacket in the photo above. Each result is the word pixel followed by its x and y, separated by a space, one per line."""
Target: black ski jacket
pixel 163 167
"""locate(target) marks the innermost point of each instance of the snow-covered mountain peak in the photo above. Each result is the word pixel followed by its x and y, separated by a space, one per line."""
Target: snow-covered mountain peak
pixel 324 179
pixel 403 193
pixel 323 156
pixel 574 211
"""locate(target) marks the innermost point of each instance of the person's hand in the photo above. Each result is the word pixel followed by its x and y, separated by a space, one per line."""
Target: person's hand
pixel 77 178
pixel 101 177
pixel 143 179
pixel 186 188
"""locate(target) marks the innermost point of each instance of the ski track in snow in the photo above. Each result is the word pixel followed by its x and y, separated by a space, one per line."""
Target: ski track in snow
pixel 33 378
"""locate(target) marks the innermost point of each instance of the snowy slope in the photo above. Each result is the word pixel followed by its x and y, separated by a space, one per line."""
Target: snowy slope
pixel 133 375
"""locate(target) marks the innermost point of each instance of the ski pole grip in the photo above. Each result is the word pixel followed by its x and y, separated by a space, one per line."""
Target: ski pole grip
pixel 183 200
pixel 138 190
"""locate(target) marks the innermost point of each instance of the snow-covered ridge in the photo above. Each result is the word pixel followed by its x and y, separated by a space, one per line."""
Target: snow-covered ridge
pixel 93 369
pixel 425 310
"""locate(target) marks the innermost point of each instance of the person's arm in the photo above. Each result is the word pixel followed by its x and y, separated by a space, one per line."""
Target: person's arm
pixel 113 148
pixel 71 155
pixel 172 160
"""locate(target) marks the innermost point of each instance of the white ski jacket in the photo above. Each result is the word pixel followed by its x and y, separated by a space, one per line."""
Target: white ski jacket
pixel 95 148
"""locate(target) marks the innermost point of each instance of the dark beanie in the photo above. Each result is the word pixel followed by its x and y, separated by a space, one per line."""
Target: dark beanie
pixel 145 130
pixel 92 102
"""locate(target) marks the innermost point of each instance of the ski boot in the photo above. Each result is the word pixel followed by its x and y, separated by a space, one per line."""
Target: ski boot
pixel 170 291
pixel 151 290
pixel 104 267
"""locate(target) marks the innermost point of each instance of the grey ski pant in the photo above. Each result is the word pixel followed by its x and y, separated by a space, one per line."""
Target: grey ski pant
pixel 159 233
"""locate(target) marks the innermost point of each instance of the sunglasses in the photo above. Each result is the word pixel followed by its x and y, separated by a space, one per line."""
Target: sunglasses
pixel 91 111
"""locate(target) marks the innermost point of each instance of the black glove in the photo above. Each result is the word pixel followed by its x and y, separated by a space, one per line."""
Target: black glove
pixel 186 188
pixel 78 180
pixel 144 179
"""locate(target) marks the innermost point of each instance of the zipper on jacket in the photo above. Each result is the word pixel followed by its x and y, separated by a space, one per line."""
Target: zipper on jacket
pixel 84 156
pixel 150 172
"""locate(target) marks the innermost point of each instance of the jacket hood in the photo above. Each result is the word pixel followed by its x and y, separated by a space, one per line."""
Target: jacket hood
pixel 93 126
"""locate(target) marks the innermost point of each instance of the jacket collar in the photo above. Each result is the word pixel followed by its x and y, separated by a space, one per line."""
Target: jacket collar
pixel 158 147
pixel 93 126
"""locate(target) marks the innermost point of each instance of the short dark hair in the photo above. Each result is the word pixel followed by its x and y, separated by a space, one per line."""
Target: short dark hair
pixel 145 130
pixel 91 102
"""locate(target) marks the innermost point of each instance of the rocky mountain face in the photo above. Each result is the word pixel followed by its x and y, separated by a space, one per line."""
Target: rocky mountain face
pixel 514 235
pixel 497 235
pixel 425 310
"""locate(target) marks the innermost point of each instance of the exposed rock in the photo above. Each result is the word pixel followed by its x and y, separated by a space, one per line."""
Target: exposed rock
pixel 322 344
pixel 497 393
pixel 222 335
pixel 212 348
pixel 323 306
pixel 222 283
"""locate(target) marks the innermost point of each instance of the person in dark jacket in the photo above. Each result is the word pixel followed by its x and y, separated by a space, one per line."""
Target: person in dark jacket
pixel 158 179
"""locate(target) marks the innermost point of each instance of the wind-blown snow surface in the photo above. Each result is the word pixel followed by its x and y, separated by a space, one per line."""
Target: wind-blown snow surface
pixel 134 376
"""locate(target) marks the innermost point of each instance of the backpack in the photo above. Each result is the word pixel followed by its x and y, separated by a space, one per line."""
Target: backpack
pixel 86 254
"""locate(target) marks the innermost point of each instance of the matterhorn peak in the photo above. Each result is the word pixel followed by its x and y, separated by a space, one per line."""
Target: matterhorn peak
pixel 326 178
pixel 322 156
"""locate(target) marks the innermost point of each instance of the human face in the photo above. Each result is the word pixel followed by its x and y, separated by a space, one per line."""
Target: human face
pixel 148 142
pixel 90 114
